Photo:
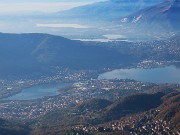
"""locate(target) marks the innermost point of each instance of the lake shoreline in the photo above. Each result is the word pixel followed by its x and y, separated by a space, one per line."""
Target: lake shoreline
pixel 168 74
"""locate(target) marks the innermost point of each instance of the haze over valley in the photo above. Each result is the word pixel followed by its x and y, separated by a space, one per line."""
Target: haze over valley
pixel 94 19
pixel 89 67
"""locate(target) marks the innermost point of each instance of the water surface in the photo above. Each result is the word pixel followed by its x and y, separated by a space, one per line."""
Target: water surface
pixel 169 74
pixel 38 91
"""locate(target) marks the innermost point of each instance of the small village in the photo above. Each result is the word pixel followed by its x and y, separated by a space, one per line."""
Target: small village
pixel 141 124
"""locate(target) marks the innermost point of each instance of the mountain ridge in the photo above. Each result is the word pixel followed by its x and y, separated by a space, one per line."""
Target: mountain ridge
pixel 27 53
pixel 164 16
pixel 107 10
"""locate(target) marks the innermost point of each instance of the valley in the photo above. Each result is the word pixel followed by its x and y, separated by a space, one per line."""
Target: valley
pixel 82 99
pixel 101 67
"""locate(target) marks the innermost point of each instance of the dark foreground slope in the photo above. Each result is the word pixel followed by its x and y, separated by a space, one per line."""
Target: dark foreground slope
pixel 133 104
pixel 91 117
pixel 12 128
pixel 154 108
pixel 97 112
pixel 170 110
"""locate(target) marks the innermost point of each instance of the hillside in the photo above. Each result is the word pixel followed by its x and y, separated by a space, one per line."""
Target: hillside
pixel 159 18
pixel 12 128
pixel 91 117
pixel 135 103
pixel 22 54
pixel 170 109
pixel 93 104
pixel 161 120
pixel 106 11
pixel 88 113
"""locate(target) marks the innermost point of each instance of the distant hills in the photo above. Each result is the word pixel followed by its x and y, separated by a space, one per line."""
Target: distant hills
pixel 161 17
pixel 107 10
pixel 22 54
pixel 130 18
pixel 37 54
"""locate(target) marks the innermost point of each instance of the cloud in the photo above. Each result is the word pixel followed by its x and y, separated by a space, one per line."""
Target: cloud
pixel 33 6
pixel 62 26
pixel 44 1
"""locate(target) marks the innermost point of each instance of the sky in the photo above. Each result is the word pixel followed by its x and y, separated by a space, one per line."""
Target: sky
pixel 19 16
pixel 14 6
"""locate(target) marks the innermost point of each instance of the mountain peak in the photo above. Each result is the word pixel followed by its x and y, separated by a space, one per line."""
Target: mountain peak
pixel 175 3
pixel 164 15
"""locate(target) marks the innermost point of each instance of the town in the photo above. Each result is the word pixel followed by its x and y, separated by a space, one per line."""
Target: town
pixel 71 95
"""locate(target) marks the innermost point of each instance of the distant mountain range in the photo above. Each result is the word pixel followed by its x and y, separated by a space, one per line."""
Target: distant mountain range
pixel 132 18
pixel 164 16
pixel 127 18
pixel 108 10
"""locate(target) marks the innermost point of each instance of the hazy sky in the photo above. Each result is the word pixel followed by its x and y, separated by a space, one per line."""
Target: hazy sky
pixel 13 6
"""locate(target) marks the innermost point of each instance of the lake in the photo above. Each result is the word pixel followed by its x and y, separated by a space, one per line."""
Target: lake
pixel 38 91
pixel 169 74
